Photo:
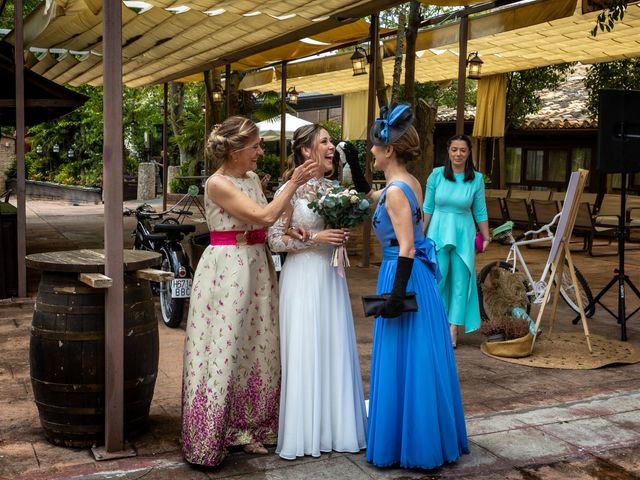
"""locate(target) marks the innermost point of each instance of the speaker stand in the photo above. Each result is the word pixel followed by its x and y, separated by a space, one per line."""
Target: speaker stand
pixel 619 276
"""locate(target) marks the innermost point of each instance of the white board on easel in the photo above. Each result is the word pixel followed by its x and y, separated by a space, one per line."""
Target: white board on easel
pixel 560 252
pixel 567 220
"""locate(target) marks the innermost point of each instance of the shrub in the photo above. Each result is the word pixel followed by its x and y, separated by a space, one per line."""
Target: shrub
pixel 510 328
pixel 181 185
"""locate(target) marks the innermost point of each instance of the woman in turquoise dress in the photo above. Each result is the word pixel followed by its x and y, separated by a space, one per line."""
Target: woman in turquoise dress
pixel 416 419
pixel 454 197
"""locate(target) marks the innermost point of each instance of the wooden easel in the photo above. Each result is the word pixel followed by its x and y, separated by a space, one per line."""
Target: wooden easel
pixel 560 251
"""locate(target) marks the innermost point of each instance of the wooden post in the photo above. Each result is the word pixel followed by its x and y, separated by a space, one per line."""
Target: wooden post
pixel 227 90
pixel 283 113
pixel 462 72
pixel 165 145
pixel 113 242
pixel 374 34
pixel 21 237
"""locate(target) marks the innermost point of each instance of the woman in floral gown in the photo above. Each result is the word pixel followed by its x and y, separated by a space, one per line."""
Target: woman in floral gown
pixel 231 370
pixel 322 403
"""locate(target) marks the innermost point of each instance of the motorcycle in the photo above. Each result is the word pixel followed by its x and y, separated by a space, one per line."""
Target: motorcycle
pixel 163 235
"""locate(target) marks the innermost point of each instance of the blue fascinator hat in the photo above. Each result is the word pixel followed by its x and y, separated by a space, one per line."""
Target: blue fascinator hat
pixel 394 121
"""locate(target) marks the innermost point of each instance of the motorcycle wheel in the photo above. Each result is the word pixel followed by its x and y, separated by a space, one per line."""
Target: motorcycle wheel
pixel 171 308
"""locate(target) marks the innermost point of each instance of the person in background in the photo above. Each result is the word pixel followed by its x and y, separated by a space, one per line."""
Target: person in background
pixel 231 372
pixel 322 402
pixel 454 197
pixel 416 418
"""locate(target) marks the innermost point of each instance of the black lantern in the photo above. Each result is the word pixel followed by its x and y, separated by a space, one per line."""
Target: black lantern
pixel 216 95
pixel 359 61
pixel 39 149
pixel 56 148
pixel 71 153
pixel 475 66
pixel 292 96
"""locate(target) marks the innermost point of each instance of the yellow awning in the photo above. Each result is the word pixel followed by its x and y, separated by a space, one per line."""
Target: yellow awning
pixel 506 40
pixel 492 107
pixel 166 41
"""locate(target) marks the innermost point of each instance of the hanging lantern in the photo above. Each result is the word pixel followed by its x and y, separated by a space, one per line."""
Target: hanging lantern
pixel 292 96
pixel 359 61
pixel 474 62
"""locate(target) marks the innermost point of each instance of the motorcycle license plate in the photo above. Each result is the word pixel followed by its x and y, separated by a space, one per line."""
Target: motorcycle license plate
pixel 181 288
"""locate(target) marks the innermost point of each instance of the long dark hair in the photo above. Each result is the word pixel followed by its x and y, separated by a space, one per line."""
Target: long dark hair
pixel 304 136
pixel 469 170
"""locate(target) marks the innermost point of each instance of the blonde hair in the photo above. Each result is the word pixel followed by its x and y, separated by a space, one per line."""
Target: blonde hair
pixel 305 136
pixel 232 134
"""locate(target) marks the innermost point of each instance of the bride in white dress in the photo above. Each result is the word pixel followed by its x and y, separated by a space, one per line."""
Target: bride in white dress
pixel 321 400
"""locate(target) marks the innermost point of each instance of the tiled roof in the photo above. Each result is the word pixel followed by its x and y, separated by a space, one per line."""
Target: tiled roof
pixel 564 108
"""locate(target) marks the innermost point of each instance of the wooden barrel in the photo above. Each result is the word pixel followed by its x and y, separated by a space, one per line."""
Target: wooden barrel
pixel 67 358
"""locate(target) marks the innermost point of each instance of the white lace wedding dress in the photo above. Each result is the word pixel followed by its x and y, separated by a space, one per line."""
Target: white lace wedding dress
pixel 321 401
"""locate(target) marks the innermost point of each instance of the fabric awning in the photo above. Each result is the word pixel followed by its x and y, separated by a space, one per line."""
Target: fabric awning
pixel 44 99
pixel 270 128
pixel 492 107
pixel 163 40
pixel 537 34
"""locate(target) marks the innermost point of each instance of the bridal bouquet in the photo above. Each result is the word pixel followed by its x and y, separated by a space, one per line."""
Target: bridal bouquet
pixel 341 208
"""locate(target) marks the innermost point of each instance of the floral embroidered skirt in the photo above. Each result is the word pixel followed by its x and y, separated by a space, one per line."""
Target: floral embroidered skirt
pixel 231 373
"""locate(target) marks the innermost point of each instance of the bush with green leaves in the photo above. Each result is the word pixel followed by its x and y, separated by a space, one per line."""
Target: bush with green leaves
pixel 269 164
pixel 181 185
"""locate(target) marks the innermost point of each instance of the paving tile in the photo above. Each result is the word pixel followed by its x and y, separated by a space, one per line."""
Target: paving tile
pixel 492 423
pixel 614 404
pixel 17 457
pixel 594 434
pixel 542 416
pixel 589 467
pixel 329 469
pixel 629 420
pixel 627 458
pixel 371 471
pixel 476 462
pixel 524 446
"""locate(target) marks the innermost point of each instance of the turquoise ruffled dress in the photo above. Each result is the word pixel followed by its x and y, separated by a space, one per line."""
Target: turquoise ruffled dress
pixel 416 418
pixel 453 207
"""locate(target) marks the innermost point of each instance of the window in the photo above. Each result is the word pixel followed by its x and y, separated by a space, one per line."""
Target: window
pixel 557 167
pixel 513 164
pixel 535 165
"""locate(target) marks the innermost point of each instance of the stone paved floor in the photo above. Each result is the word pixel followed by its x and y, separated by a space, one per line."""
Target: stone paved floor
pixel 523 422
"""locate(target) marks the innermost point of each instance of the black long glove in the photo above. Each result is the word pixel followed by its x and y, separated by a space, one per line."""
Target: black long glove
pixel 393 306
pixel 351 156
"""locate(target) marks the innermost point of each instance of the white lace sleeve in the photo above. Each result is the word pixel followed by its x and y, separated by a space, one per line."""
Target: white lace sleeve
pixel 278 240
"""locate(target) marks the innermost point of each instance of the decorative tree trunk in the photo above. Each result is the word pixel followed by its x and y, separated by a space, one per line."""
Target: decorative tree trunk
pixel 176 93
pixel 425 123
pixel 397 64
pixel 381 88
pixel 410 60
pixel 212 112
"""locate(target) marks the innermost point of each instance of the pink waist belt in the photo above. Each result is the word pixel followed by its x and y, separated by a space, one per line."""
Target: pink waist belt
pixel 238 237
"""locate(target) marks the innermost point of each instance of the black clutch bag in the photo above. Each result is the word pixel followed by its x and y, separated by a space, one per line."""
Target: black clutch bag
pixel 371 304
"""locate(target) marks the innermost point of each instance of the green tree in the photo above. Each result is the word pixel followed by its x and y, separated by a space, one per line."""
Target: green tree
pixel 6 11
pixel 623 74
pixel 524 87
pixel 613 12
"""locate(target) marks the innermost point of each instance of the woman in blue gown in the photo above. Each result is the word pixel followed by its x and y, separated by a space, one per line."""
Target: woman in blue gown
pixel 416 419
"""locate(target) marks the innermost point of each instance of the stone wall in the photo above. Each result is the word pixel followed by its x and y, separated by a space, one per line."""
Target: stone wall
pixel 7 151
pixel 146 181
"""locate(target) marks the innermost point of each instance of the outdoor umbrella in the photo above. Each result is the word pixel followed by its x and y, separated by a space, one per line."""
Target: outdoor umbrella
pixel 270 128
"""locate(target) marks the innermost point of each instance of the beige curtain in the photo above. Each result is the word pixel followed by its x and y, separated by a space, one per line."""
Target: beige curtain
pixel 354 116
pixel 491 107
